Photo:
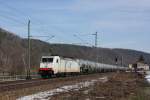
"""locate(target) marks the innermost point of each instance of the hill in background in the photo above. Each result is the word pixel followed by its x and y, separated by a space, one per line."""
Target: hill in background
pixel 13 53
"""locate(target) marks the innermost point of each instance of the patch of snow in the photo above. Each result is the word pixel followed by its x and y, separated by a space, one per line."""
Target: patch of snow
pixel 47 94
pixel 147 78
pixel 87 99
pixel 86 91
pixel 103 79
pixel 100 97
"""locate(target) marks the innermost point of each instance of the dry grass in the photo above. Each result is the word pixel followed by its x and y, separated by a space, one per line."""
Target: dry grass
pixel 12 95
pixel 119 87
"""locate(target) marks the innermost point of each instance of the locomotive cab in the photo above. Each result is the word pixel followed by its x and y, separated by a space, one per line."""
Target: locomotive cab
pixel 48 66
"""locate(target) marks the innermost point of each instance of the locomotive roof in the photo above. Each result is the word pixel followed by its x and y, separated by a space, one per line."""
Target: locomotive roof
pixel 59 56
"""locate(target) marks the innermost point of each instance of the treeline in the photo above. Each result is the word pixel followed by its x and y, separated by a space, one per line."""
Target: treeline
pixel 13 53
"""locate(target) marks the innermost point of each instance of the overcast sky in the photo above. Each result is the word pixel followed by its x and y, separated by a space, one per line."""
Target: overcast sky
pixel 119 23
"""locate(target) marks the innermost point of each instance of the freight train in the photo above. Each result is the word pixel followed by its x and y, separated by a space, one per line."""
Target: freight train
pixel 56 65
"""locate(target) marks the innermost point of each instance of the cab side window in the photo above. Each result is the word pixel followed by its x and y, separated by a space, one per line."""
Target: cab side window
pixel 57 61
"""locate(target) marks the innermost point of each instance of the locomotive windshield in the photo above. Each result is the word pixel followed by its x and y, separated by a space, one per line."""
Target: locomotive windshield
pixel 47 60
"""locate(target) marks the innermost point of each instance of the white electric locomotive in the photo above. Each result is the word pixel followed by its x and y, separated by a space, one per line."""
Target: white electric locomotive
pixel 56 65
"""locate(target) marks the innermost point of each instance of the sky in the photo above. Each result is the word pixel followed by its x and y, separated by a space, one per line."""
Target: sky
pixel 119 23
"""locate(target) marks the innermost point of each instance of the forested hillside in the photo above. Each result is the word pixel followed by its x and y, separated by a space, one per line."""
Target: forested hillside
pixel 13 53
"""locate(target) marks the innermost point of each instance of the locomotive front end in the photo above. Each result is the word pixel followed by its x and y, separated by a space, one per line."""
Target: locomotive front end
pixel 46 67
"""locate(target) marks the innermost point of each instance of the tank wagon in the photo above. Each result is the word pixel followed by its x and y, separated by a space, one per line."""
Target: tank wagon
pixel 56 65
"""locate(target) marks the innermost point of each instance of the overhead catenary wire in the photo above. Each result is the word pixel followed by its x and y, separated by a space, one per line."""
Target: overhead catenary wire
pixel 25 17
pixel 14 13
pixel 36 21
pixel 85 42
pixel 10 18
pixel 14 9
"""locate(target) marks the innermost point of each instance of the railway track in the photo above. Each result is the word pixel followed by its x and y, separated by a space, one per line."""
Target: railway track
pixel 8 86
pixel 16 81
pixel 19 84
pixel 3 83
pixel 16 85
pixel 11 91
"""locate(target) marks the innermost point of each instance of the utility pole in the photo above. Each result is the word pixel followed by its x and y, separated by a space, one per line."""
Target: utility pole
pixel 29 56
pixel 96 39
pixel 121 61
pixel 96 46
